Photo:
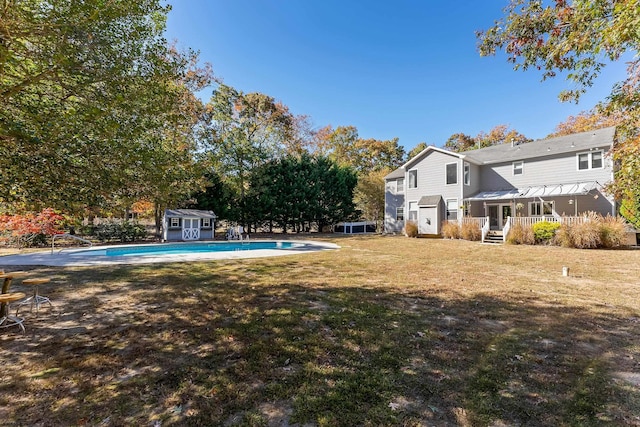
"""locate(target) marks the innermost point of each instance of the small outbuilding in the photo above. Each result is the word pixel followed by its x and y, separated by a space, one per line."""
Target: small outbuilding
pixel 188 225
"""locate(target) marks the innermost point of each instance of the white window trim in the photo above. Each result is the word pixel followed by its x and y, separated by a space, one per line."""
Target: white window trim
pixel 174 222
pixel 590 160
pixel 541 204
pixel 398 208
pixel 408 216
pixel 466 177
pixel 206 223
pixel 457 208
pixel 416 180
pixel 399 188
pixel 513 168
pixel 446 174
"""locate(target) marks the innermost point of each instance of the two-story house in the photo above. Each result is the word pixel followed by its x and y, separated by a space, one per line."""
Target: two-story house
pixel 553 177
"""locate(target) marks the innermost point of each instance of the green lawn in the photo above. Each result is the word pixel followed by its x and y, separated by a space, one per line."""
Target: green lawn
pixel 386 331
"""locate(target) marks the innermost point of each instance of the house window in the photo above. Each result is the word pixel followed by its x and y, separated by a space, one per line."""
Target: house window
pixel 400 214
pixel 206 222
pixel 452 173
pixel 452 209
pixel 518 168
pixel 590 160
pixel 174 222
pixel 400 185
pixel 413 179
pixel 467 174
pixel 413 211
pixel 540 208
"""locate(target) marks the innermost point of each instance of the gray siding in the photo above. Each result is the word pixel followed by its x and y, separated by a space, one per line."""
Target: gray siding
pixel 393 200
pixel 476 181
pixel 432 180
pixel 559 169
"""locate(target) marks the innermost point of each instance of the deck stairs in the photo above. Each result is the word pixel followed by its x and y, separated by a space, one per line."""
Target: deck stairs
pixel 494 237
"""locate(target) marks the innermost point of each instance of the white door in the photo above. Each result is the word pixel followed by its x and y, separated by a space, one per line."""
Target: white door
pixel 427 221
pixel 190 229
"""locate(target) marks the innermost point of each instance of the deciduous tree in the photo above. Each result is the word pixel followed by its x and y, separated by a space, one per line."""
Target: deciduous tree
pixel 87 91
pixel 243 132
pixel 416 150
pixel 500 134
pixel 344 146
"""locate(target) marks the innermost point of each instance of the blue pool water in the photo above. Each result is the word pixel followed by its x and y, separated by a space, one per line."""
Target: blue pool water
pixel 188 248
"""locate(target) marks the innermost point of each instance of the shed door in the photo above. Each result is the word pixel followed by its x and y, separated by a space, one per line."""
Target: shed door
pixel 190 229
pixel 428 221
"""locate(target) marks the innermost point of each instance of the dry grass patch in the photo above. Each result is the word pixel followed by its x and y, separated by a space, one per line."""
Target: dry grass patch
pixel 386 331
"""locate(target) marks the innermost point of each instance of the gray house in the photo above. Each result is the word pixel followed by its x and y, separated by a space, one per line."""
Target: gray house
pixel 549 178
pixel 188 224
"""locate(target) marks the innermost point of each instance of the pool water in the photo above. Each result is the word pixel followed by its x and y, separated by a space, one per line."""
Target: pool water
pixel 188 248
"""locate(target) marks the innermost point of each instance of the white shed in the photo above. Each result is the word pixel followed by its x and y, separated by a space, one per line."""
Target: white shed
pixel 188 224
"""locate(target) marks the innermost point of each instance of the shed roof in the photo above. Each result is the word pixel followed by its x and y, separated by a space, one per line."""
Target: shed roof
pixel 191 213
pixel 429 200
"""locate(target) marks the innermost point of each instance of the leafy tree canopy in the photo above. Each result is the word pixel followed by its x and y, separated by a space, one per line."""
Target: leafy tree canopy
pixel 416 150
pixel 585 121
pixel 88 94
pixel 500 134
pixel 343 145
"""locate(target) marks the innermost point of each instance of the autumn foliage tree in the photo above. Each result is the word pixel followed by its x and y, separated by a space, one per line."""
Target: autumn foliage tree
pixel 585 121
pixel 30 228
pixel 500 134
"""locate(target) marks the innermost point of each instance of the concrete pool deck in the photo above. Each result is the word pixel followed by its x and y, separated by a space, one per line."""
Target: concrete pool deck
pixel 81 257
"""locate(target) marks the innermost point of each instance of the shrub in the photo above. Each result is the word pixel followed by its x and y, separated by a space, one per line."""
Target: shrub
pixel 124 231
pixel 471 231
pixel 520 235
pixel 612 231
pixel 544 231
pixel 563 237
pixel 585 235
pixel 411 229
pixel 31 229
pixel 450 230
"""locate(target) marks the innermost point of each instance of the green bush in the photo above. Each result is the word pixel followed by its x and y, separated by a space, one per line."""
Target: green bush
pixel 125 231
pixel 544 231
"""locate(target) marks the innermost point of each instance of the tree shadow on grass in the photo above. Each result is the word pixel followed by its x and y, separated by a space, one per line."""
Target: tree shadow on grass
pixel 198 345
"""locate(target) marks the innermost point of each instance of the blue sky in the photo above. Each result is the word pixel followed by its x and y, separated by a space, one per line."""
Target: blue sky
pixel 408 68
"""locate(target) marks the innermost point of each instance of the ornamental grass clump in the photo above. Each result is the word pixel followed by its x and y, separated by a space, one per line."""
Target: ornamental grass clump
pixel 411 229
pixel 520 235
pixel 586 235
pixel 612 231
pixel 471 231
pixel 450 230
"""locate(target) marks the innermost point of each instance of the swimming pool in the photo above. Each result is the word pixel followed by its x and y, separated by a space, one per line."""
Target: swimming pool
pixel 187 248
pixel 167 252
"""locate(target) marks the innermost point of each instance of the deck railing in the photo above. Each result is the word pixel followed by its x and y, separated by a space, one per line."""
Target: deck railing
pixel 482 223
pixel 528 221
pixel 525 221
pixel 486 226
